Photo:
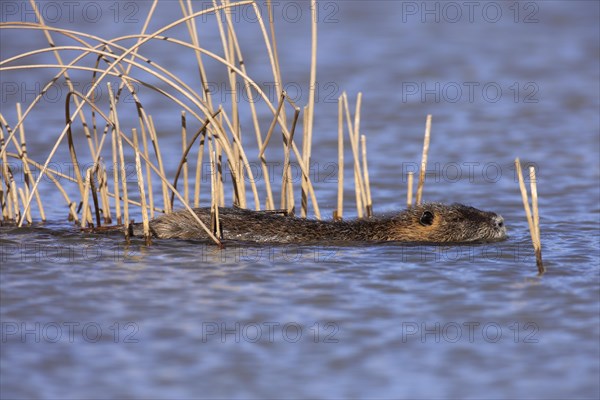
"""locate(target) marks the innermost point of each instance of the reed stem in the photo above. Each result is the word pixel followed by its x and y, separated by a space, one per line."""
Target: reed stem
pixel 86 195
pixel 409 189
pixel 26 170
pixel 369 208
pixel 424 160
pixel 532 220
pixel 186 190
pixel 140 179
pixel 537 245
pixel 338 214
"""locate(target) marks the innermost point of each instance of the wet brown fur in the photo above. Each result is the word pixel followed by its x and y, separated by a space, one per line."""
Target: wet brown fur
pixel 432 222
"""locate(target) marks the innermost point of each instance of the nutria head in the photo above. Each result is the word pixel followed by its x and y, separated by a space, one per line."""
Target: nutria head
pixel 434 222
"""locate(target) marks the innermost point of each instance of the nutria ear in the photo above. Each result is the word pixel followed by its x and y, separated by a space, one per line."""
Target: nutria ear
pixel 426 218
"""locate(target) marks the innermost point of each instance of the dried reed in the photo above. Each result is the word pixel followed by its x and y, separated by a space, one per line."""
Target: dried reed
pixel 424 160
pixel 140 179
pixel 409 189
pixel 338 214
pixel 223 132
pixel 532 220
pixel 369 208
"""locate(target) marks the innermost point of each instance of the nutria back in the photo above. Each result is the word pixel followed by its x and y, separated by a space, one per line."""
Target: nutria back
pixel 432 222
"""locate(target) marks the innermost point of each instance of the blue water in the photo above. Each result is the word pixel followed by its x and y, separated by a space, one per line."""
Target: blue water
pixel 87 316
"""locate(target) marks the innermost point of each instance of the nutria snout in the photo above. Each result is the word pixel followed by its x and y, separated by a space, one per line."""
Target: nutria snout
pixel 430 222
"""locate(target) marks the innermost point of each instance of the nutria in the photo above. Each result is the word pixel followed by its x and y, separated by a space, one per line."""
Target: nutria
pixel 432 222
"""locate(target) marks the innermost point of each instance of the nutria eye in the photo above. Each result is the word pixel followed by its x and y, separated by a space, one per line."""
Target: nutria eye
pixel 426 218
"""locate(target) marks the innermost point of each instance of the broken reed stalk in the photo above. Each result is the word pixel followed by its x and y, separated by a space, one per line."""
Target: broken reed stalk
pixel 73 212
pixel 287 187
pixel 9 200
pixel 123 173
pixel 116 176
pixel 26 170
pixel 7 207
pixel 214 205
pixel 148 172
pixel 94 171
pixel 15 199
pixel 338 214
pixel 220 187
pixel 306 163
pixel 24 200
pixel 363 142
pixel 23 154
pixel 2 198
pixel 186 190
pixel 12 195
pixel 85 200
pixel 532 220
pixel 424 159
pixel 11 185
pixel 409 189
pixel 140 179
pixel 358 181
pixel 103 188
pixel 534 201
pixel 198 180
pixel 123 168
pixel 536 221
pixel 363 183
pixel 4 178
pixel 154 139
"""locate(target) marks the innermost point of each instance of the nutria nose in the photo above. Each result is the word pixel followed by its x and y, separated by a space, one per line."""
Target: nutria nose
pixel 499 221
